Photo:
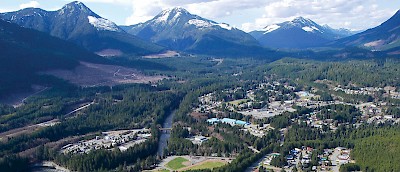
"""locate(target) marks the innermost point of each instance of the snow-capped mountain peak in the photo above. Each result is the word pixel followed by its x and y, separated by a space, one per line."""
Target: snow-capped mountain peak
pixel 172 17
pixel 306 24
pixel 178 29
pixel 171 14
pixel 297 33
pixel 75 7
pixel 302 20
pixel 102 24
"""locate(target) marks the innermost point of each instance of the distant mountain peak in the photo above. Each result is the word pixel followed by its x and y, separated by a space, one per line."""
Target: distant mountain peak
pixel 171 17
pixel 179 9
pixel 75 22
pixel 298 33
pixel 178 29
pixel 76 4
pixel 301 21
pixel 172 14
pixel 76 7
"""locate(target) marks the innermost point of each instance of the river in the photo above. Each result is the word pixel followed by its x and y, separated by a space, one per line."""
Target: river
pixel 162 144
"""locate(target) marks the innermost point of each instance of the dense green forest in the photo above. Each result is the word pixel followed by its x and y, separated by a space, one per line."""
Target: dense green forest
pixel 376 72
pixel 379 152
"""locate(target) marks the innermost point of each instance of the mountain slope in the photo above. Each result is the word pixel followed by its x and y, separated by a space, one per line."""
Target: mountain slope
pixel 382 37
pixel 77 23
pixel 24 52
pixel 179 30
pixel 298 33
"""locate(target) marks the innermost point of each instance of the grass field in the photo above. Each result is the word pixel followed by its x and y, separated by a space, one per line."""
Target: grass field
pixel 237 102
pixel 207 165
pixel 176 163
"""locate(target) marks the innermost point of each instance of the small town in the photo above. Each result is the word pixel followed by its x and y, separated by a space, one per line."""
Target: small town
pixel 121 139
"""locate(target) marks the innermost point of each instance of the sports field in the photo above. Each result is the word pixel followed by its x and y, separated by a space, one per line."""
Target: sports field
pixel 177 163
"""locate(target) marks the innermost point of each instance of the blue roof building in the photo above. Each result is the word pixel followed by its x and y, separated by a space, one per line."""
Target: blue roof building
pixel 234 122
pixel 239 122
pixel 227 121
pixel 213 120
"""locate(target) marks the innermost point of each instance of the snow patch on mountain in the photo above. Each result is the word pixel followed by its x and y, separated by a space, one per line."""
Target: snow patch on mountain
pixel 225 26
pixel 163 18
pixel 103 24
pixel 200 23
pixel 307 29
pixel 177 15
pixel 206 24
pixel 270 28
pixel 315 28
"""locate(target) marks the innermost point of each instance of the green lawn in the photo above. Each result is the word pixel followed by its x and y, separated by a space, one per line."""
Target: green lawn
pixel 208 165
pixel 176 163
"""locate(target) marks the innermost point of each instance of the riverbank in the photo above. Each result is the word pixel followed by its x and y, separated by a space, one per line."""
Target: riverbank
pixel 48 166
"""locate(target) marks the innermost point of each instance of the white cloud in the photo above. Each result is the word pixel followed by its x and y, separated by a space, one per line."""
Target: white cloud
pixel 33 4
pixel 144 10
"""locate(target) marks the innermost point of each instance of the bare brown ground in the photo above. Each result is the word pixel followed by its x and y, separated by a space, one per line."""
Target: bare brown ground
pixel 18 131
pixel 199 116
pixel 23 130
pixel 91 75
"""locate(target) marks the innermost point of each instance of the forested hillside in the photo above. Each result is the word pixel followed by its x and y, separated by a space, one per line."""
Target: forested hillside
pixel 24 52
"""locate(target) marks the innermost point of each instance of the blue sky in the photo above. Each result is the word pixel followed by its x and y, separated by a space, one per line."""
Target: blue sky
pixel 243 14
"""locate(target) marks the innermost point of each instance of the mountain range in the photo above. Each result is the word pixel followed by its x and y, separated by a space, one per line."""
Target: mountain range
pixel 180 30
pixel 298 33
pixel 177 29
pixel 77 23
